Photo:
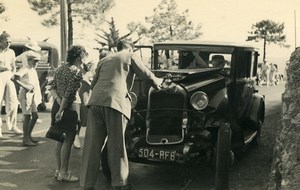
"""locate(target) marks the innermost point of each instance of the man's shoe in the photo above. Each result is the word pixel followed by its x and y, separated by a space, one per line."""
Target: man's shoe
pixel 17 131
pixel 125 187
pixel 67 177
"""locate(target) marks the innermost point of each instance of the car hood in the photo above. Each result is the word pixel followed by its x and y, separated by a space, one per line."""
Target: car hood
pixel 193 79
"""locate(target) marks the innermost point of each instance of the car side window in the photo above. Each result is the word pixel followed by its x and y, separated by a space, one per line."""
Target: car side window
pixel 168 59
pixel 44 58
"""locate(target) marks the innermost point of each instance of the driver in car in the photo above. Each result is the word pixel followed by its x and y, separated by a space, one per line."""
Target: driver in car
pixel 218 61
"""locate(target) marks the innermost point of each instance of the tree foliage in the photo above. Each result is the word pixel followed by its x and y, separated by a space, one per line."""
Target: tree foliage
pixel 167 24
pixel 2 8
pixel 2 12
pixel 268 31
pixel 82 11
pixel 112 37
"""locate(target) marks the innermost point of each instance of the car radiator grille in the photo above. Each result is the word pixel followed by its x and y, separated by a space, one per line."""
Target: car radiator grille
pixel 166 113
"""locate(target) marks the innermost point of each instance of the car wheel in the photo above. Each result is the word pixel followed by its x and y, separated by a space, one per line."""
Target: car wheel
pixel 104 163
pixel 223 158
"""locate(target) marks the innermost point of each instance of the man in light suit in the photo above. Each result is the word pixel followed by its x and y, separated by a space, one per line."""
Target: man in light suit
pixel 109 112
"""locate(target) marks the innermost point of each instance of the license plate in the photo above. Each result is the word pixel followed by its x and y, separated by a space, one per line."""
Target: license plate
pixel 157 154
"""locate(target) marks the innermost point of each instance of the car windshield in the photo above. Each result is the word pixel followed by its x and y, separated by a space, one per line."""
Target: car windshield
pixel 176 58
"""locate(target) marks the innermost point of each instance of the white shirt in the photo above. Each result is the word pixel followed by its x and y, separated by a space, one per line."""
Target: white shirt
pixel 7 59
pixel 29 76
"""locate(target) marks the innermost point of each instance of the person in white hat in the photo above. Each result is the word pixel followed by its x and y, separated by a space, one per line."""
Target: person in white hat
pixel 21 59
pixel 29 95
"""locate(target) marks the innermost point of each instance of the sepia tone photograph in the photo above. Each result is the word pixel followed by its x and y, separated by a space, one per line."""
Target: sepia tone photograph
pixel 149 95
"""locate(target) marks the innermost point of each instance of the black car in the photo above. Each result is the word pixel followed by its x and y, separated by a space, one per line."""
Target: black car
pixel 202 114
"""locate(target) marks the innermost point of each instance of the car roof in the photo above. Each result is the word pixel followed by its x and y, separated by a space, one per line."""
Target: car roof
pixel 22 42
pixel 204 43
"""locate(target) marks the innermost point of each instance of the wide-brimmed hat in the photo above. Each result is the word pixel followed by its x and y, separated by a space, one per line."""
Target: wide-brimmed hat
pixel 33 55
pixel 33 45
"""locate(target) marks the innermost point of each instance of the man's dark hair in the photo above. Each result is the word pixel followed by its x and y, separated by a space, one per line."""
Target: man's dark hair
pixel 4 35
pixel 122 44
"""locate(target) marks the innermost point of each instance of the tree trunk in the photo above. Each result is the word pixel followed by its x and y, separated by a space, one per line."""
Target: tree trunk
pixel 70 25
pixel 285 172
pixel 265 46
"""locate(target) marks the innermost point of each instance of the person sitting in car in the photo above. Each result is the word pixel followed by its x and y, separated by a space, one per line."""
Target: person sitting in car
pixel 192 60
pixel 218 61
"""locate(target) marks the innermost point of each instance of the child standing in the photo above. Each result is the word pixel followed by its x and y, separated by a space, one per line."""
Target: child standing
pixel 29 96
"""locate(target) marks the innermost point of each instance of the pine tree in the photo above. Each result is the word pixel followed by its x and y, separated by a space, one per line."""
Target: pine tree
pixel 85 11
pixel 269 32
pixel 112 37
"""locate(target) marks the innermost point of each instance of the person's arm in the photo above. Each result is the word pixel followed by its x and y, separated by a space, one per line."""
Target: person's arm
pixel 63 104
pixel 27 87
pixel 13 62
pixel 144 73
pixel 17 79
pixel 86 78
pixel 55 95
pixel 96 75
pixel 72 86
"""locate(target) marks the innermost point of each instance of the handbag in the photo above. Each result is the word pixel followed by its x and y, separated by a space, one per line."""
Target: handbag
pixel 59 130
pixel 56 132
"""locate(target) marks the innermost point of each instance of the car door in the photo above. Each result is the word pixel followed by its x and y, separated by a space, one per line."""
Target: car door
pixel 243 87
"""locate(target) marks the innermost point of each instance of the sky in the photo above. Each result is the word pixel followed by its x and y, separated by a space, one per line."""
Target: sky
pixel 221 20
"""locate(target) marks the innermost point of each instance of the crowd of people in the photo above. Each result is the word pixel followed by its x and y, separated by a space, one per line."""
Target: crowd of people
pixel 268 75
pixel 95 98
pixel 108 105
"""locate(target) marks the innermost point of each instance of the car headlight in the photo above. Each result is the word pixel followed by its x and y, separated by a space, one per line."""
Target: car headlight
pixel 199 100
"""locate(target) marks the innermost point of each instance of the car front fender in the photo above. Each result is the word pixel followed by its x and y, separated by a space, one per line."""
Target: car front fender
pixel 256 111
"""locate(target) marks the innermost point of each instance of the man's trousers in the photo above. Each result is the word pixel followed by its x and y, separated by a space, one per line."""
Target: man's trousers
pixel 104 122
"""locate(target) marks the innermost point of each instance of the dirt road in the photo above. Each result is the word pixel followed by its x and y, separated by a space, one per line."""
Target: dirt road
pixel 23 168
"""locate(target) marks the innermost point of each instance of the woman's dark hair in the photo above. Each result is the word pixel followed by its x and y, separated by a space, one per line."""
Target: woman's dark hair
pixel 74 52
pixel 4 35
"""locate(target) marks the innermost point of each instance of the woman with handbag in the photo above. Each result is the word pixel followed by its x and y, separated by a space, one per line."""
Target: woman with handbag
pixel 64 89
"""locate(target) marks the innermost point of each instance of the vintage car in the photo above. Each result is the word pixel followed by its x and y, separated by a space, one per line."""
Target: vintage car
pixel 202 113
pixel 49 61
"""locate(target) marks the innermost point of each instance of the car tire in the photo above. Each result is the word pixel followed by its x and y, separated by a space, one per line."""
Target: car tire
pixel 104 163
pixel 223 158
pixel 259 124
